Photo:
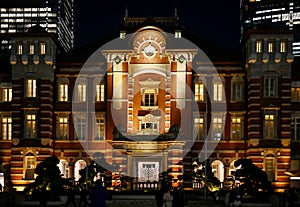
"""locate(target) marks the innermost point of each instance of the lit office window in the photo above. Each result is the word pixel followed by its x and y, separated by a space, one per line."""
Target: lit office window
pixel 100 127
pixel 218 92
pixel 31 88
pixel 63 128
pixel 237 127
pixel 6 94
pixel 295 91
pixel 259 44
pixel 199 128
pixel 63 92
pixel 269 126
pixel 81 92
pixel 199 92
pixel 30 125
pixel 6 128
pixel 270 86
pixel 100 96
pixel 42 48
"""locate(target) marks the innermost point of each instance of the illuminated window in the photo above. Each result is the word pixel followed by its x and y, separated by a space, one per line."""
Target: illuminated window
pixel 199 128
pixel 177 34
pixel 62 128
pixel 100 96
pixel 20 49
pixel 218 92
pixel 6 94
pixel 79 165
pixel 149 124
pixel 295 128
pixel 270 86
pixel 30 124
pixel 31 88
pixel 237 127
pixel 29 166
pixel 217 168
pixel 31 49
pixel 80 127
pixel 42 48
pixel 6 128
pixel 199 92
pixel 269 125
pixel 237 91
pixel 270 166
pixel 81 92
pixel 63 92
pixel 259 46
pixel 100 127
pixel 295 94
pixel 283 46
pixel 271 47
pixel 64 168
pixel 218 126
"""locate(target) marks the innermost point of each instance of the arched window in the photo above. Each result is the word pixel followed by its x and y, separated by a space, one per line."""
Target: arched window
pixel 64 168
pixel 29 166
pixel 218 169
pixel 80 164
pixel 270 166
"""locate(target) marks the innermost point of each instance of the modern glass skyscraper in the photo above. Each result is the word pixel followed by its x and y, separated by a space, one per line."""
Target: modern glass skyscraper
pixel 55 16
pixel 273 14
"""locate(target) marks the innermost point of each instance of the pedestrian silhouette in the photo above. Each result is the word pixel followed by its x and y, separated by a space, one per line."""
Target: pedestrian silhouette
pixel 168 198
pixel 98 195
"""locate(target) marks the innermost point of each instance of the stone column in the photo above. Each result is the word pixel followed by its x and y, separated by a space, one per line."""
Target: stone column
pixel 129 163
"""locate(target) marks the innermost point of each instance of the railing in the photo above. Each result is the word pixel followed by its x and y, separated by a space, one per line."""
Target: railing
pixel 146 186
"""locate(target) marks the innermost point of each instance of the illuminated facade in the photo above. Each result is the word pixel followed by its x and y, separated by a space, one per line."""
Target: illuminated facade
pixel 55 16
pixel 279 14
pixel 143 85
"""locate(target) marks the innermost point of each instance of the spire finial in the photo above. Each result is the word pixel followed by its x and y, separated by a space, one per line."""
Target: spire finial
pixel 126 12
pixel 175 12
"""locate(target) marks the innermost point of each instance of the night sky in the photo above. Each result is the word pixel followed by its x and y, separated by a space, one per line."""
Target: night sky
pixel 215 20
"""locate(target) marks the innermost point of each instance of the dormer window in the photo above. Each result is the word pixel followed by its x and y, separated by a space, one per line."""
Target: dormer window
pixel 259 46
pixel 178 34
pixel 31 49
pixel 20 49
pixel 42 48
pixel 283 46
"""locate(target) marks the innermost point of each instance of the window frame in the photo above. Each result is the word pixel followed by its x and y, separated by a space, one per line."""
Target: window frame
pixel 199 92
pixel 269 122
pixel 30 126
pixel 269 87
pixel 62 127
pixel 239 124
pixel 6 123
pixel 31 88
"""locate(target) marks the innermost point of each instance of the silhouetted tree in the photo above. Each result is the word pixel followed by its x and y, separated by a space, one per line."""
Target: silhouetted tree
pixel 252 177
pixel 48 183
pixel 202 172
